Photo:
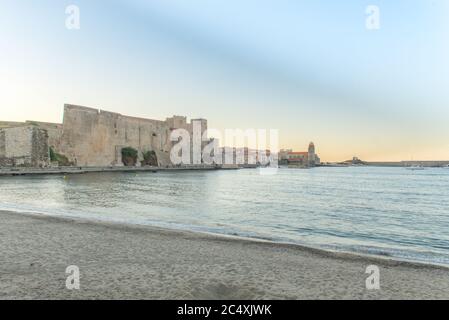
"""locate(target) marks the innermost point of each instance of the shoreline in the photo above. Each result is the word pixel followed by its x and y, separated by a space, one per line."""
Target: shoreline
pixel 231 237
pixel 190 265
pixel 31 171
pixel 17 171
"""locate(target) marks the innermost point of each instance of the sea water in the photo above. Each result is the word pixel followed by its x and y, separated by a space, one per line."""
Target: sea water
pixel 384 211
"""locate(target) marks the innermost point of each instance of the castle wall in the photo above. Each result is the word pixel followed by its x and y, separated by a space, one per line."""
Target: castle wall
pixel 9 124
pixel 89 137
pixel 2 146
pixel 54 131
pixel 94 137
pixel 24 146
pixel 40 156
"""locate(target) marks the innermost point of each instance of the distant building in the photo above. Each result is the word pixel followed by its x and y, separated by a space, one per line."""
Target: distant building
pixel 283 155
pixel 354 161
pixel 245 157
pixel 302 158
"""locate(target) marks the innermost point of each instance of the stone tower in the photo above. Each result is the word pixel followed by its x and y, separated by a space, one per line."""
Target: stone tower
pixel 311 155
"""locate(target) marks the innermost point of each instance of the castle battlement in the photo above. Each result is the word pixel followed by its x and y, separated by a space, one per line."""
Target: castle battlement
pixel 70 107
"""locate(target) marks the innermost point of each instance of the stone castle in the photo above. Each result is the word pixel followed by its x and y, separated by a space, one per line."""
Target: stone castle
pixel 89 137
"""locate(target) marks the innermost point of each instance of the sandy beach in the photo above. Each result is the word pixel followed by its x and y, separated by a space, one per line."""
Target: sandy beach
pixel 132 262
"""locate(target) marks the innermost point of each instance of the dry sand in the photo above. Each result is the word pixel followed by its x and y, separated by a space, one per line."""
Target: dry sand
pixel 130 262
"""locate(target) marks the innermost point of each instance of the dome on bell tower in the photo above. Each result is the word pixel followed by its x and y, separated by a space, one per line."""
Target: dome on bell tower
pixel 311 147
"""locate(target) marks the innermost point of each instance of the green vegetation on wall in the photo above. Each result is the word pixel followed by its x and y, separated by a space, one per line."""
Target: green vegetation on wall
pixel 62 160
pixel 129 156
pixel 150 159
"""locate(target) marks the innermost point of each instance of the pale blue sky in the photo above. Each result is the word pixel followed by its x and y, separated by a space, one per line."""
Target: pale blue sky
pixel 308 68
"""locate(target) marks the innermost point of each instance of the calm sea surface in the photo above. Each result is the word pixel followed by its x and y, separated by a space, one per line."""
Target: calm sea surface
pixel 381 211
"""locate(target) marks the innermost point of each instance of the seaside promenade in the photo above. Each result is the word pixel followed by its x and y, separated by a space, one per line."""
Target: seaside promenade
pixel 17 171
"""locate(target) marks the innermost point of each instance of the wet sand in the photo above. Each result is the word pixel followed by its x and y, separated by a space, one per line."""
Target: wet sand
pixel 119 261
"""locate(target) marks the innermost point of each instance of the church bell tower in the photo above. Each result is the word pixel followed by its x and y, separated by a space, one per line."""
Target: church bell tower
pixel 311 155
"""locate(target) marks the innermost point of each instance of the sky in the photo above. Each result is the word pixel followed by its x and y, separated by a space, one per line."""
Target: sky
pixel 310 69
